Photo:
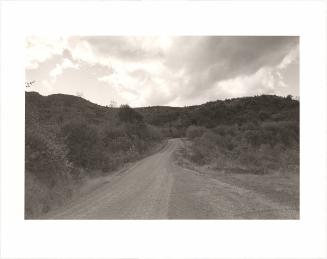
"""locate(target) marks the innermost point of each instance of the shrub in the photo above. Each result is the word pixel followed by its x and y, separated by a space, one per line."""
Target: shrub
pixel 209 139
pixel 47 178
pixel 85 147
pixel 253 147
pixel 249 126
pixel 127 114
pixel 249 159
pixel 135 129
pixel 252 137
pixel 37 196
pixel 285 132
pixel 116 140
pixel 154 133
pixel 204 147
pixel 196 155
pixel 194 132
pixel 263 115
pixel 41 159
pixel 221 130
pixel 111 134
pixel 226 130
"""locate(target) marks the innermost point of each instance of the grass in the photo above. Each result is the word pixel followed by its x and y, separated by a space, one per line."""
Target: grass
pixel 278 186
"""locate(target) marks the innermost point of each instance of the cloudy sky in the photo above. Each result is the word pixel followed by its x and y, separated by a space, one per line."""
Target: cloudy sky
pixel 175 71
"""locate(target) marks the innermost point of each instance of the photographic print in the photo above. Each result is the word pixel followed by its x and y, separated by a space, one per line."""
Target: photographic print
pixel 162 127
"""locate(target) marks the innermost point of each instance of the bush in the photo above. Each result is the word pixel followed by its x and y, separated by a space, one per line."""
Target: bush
pixel 116 140
pixel 209 139
pixel 47 174
pixel 42 160
pixel 154 133
pixel 285 132
pixel 256 148
pixel 204 147
pixel 37 196
pixel 85 147
pixel 196 155
pixel 249 159
pixel 127 114
pixel 226 129
pixel 127 141
pixel 252 137
pixel 193 132
pixel 135 129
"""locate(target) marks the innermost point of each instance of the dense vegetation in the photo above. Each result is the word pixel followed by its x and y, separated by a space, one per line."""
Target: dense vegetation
pixel 69 138
pixel 238 111
pixel 251 148
pixel 251 134
pixel 264 139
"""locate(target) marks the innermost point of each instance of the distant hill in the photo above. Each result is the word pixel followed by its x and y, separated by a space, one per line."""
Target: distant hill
pixel 228 112
pixel 61 108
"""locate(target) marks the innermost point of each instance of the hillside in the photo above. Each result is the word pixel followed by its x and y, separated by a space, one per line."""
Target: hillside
pixel 251 135
pixel 69 139
pixel 231 111
pixel 237 111
pixel 61 108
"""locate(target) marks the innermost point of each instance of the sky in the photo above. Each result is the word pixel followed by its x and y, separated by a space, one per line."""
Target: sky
pixel 163 70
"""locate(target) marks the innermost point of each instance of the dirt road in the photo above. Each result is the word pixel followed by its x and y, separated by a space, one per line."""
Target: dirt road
pixel 156 188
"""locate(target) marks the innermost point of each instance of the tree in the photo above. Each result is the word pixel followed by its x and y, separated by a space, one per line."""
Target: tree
pixel 84 146
pixel 127 114
pixel 112 104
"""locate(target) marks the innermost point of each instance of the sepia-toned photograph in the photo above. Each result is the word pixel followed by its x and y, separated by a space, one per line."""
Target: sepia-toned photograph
pixel 162 127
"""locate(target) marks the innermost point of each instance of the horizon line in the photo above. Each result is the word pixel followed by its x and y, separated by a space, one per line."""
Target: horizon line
pixel 295 98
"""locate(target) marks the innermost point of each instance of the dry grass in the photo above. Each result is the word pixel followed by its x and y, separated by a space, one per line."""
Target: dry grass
pixel 278 186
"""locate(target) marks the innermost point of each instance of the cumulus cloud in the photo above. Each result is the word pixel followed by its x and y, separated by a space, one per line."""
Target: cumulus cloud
pixel 130 49
pixel 263 81
pixel 39 49
pixel 58 70
pixel 207 60
pixel 171 70
pixel 291 57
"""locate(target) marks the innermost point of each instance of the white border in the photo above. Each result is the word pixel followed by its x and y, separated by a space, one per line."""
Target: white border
pixel 305 238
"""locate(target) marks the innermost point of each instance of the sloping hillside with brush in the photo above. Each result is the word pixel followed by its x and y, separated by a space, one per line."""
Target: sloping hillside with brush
pixel 256 135
pixel 68 139
pixel 237 111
